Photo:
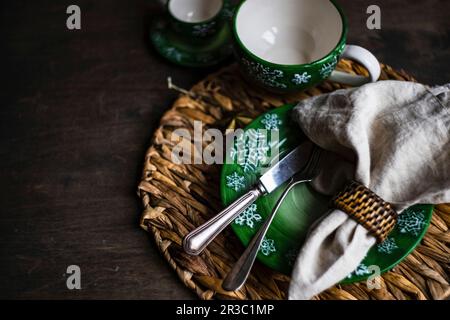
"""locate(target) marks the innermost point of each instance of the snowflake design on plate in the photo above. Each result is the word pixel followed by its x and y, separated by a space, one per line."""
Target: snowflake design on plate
pixel 360 270
pixel 203 29
pixel 264 74
pixel 271 121
pixel 291 256
pixel 301 78
pixel 267 246
pixel 235 181
pixel 228 11
pixel 157 37
pixel 387 246
pixel 411 221
pixel 250 149
pixel 328 68
pixel 173 53
pixel 249 217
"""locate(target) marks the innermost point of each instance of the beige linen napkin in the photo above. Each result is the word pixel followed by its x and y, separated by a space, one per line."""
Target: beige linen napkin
pixel 391 136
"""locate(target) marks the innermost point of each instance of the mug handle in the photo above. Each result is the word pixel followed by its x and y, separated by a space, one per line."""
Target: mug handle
pixel 366 59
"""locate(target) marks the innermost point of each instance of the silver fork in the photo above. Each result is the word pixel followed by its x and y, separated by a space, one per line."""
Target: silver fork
pixel 240 271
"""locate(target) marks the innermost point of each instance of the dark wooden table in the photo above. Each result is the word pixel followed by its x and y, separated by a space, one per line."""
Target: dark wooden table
pixel 78 109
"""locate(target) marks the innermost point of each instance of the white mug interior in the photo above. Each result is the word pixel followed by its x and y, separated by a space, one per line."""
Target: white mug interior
pixel 289 31
pixel 192 11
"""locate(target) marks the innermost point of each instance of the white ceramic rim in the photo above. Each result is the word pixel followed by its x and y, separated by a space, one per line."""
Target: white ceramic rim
pixel 179 9
pixel 246 32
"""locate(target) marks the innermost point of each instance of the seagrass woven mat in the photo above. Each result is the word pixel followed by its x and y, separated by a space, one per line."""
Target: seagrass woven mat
pixel 177 198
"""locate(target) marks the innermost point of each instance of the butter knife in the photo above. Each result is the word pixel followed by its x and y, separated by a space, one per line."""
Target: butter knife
pixel 294 161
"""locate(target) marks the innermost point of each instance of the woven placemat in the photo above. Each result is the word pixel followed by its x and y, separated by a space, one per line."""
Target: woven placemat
pixel 177 198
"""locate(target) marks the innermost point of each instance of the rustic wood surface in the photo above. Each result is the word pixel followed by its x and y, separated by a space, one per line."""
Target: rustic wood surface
pixel 78 111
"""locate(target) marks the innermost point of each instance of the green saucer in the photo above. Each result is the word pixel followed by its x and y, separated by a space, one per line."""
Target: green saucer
pixel 189 52
pixel 302 206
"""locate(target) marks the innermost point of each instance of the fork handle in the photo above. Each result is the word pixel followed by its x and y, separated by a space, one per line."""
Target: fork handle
pixel 239 274
pixel 198 239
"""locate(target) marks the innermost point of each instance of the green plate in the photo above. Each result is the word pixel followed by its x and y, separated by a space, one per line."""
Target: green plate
pixel 190 52
pixel 302 206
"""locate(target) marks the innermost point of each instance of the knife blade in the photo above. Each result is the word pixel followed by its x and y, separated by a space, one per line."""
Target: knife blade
pixel 293 162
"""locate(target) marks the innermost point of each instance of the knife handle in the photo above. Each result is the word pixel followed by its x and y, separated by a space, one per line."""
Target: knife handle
pixel 198 239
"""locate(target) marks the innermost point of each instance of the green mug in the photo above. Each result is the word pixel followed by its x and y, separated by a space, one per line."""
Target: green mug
pixel 196 18
pixel 291 45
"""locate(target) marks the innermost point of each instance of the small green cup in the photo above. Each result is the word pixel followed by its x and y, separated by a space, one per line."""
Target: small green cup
pixel 196 19
pixel 291 45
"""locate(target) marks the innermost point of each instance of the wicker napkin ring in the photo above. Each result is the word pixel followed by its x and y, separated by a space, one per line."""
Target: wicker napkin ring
pixel 367 208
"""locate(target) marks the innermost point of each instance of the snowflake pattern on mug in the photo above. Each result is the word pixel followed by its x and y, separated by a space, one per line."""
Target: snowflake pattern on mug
pixel 266 75
pixel 411 221
pixel 301 78
pixel 387 246
pixel 251 149
pixel 173 53
pixel 235 181
pixel 271 121
pixel 267 246
pixel 204 29
pixel 228 11
pixel 248 217
pixel 327 68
